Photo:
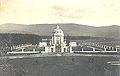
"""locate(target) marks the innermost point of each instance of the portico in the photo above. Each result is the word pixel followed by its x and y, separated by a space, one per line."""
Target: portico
pixel 57 44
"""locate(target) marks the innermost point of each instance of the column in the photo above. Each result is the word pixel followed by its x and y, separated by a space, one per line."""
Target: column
pixel 93 49
pixel 116 49
pixel 104 49
pixel 112 48
pixel 22 49
pixel 54 49
pixel 33 50
pixel 82 50
pixel 70 48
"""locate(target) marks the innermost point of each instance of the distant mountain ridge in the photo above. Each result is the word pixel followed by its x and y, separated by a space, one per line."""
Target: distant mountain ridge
pixel 68 28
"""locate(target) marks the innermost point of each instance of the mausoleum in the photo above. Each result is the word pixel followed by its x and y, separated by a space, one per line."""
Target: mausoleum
pixel 57 43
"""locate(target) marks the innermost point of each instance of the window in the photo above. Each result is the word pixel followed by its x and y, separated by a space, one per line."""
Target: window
pixel 51 49
pixel 57 42
pixel 64 49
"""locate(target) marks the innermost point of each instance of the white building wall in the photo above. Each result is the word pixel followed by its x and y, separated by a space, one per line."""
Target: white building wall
pixel 58 36
pixel 73 44
pixel 42 44
pixel 46 50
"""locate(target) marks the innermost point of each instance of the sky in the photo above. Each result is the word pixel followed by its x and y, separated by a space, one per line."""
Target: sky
pixel 88 12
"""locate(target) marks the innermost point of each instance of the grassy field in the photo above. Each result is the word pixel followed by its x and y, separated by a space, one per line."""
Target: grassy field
pixel 60 66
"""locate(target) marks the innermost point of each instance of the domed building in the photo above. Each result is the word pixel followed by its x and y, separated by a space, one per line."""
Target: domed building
pixel 57 44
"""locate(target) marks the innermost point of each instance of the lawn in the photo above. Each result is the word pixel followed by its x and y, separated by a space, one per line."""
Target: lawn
pixel 61 66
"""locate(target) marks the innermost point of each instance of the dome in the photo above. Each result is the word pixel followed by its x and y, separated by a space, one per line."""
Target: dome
pixel 58 30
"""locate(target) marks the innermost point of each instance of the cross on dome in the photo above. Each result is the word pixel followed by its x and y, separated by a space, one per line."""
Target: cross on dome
pixel 58 27
pixel 58 30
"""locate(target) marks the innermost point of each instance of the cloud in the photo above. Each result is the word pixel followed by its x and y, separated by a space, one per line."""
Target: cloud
pixel 59 10
pixel 93 12
pixel 67 12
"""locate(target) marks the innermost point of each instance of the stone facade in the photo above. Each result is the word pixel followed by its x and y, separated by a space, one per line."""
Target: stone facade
pixel 58 43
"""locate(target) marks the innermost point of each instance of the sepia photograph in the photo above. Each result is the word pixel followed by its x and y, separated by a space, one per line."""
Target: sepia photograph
pixel 59 37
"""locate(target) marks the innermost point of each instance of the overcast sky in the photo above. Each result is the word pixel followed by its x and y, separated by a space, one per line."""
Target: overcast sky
pixel 90 12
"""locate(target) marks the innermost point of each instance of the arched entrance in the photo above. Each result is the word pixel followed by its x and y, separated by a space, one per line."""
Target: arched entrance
pixel 58 48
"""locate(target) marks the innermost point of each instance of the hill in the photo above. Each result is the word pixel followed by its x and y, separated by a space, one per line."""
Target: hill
pixel 68 28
